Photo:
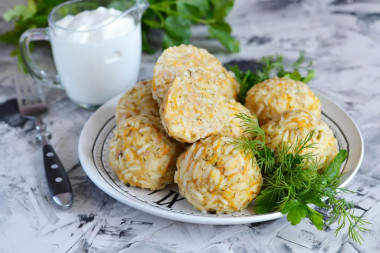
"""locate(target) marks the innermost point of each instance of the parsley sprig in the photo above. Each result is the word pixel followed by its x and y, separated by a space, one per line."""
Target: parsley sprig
pixel 175 18
pixel 292 182
pixel 272 66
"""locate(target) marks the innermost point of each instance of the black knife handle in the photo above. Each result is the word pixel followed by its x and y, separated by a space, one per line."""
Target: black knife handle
pixel 58 182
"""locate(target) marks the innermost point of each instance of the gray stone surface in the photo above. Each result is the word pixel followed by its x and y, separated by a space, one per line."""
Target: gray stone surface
pixel 341 37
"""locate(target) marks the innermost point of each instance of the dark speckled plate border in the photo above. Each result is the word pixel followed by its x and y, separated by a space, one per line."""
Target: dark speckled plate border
pixel 168 203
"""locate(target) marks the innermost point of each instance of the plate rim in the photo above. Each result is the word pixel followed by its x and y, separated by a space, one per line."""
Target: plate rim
pixel 88 136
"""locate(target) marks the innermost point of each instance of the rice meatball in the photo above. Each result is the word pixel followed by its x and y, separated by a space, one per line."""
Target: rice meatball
pixel 293 126
pixel 176 60
pixel 192 108
pixel 137 101
pixel 214 176
pixel 233 125
pixel 274 96
pixel 141 154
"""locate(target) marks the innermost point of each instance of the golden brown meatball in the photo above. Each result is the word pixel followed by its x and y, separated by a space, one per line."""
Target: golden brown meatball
pixel 274 96
pixel 293 126
pixel 137 101
pixel 176 60
pixel 141 153
pixel 214 176
pixel 192 108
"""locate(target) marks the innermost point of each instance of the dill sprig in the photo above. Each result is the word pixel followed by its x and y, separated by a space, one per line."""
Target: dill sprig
pixel 292 182
pixel 255 146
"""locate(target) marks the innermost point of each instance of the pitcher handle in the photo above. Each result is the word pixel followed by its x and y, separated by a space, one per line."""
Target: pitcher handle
pixel 37 34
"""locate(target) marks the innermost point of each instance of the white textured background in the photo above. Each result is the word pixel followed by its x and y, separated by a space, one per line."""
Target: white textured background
pixel 342 37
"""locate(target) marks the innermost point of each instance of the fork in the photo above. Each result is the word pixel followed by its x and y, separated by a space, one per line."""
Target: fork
pixel 32 103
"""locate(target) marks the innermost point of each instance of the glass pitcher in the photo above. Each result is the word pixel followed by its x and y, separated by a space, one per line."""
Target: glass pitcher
pixel 96 48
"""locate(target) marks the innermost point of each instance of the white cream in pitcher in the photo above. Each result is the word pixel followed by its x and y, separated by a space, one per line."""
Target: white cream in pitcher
pixel 97 54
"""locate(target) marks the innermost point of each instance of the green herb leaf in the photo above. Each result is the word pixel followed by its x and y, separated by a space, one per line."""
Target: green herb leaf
pixel 333 170
pixel 11 36
pixel 313 198
pixel 21 12
pixel 295 76
pixel 265 203
pixel 171 41
pixel 178 27
pixel 145 45
pixel 222 8
pixel 152 20
pixel 246 79
pixel 316 218
pixel 177 31
pixel 206 12
pixel 33 15
pixel 296 211
pixel 196 8
pixel 221 32
pixel 310 75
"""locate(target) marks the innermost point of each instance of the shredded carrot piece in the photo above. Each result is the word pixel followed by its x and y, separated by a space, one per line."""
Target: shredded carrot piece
pixel 245 168
pixel 165 151
pixel 137 156
pixel 127 130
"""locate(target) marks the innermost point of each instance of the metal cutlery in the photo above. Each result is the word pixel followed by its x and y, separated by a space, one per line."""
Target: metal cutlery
pixel 32 103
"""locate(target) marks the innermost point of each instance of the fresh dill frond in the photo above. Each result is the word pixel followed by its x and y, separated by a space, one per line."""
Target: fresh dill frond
pixel 292 182
pixel 251 125
pixel 256 144
pixel 342 212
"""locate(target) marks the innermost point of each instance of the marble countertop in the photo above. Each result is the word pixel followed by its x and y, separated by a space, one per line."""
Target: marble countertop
pixel 341 37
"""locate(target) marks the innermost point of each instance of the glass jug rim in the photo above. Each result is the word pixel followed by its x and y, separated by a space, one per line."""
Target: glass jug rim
pixel 53 23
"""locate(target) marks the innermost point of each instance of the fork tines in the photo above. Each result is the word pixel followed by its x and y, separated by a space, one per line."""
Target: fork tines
pixel 30 97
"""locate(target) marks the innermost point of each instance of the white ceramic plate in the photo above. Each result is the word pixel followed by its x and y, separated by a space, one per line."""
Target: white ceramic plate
pixel 167 203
